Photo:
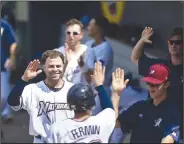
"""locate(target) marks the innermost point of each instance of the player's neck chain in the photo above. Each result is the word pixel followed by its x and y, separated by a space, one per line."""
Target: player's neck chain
pixel 54 89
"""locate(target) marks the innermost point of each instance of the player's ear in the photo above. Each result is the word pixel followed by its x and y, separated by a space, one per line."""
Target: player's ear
pixel 42 67
pixel 167 84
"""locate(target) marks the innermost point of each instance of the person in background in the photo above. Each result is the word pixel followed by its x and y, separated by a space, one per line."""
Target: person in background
pixel 97 29
pixel 78 61
pixel 8 15
pixel 8 56
pixel 175 64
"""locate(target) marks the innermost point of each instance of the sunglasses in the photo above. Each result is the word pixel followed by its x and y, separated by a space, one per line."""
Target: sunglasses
pixel 73 33
pixel 176 42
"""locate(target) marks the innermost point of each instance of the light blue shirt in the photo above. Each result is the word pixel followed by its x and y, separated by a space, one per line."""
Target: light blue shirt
pixel 104 53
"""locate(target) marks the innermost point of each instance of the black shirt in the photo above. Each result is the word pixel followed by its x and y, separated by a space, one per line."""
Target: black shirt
pixel 175 91
pixel 150 123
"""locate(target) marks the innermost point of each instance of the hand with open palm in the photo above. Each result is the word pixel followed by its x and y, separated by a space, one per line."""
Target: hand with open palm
pixel 31 70
pixel 98 74
pixel 146 34
pixel 118 83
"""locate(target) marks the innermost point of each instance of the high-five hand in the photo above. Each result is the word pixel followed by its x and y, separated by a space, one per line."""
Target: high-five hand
pixel 31 70
pixel 118 83
pixel 98 74
pixel 146 34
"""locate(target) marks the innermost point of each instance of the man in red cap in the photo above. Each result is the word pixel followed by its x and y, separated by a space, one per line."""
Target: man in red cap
pixel 155 120
pixel 158 82
pixel 175 63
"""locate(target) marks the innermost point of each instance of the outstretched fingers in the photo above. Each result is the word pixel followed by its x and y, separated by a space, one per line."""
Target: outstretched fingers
pixel 36 65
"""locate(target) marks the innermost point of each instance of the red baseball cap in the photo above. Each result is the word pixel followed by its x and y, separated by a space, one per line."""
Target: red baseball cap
pixel 158 73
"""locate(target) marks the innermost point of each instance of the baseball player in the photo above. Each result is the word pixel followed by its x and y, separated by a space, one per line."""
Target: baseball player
pixel 8 48
pixel 78 60
pixel 45 101
pixel 85 128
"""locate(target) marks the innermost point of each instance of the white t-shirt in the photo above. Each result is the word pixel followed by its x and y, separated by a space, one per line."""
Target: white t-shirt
pixel 73 72
pixel 92 130
pixel 103 53
pixel 44 106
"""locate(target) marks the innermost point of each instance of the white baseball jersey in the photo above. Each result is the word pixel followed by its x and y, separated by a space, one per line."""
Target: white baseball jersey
pixel 73 72
pixel 103 53
pixel 44 106
pixel 91 130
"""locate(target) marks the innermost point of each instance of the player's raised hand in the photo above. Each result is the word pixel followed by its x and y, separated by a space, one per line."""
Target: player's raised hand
pixel 98 74
pixel 118 82
pixel 31 70
pixel 146 34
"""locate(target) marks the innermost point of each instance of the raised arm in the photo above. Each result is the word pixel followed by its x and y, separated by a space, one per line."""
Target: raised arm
pixel 30 73
pixel 138 50
pixel 118 84
pixel 98 79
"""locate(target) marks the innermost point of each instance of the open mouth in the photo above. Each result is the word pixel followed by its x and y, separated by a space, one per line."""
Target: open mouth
pixel 55 74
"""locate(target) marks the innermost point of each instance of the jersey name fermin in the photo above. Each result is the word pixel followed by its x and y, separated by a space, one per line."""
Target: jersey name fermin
pixel 85 131
pixel 93 129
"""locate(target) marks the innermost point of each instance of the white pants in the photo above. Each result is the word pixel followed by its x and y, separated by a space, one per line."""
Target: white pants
pixel 5 90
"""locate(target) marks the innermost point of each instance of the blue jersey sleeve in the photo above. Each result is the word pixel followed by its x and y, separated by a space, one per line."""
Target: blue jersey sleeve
pixel 10 35
pixel 105 100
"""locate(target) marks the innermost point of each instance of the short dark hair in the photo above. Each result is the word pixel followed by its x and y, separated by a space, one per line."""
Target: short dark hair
pixel 73 22
pixel 51 54
pixel 103 23
pixel 177 31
